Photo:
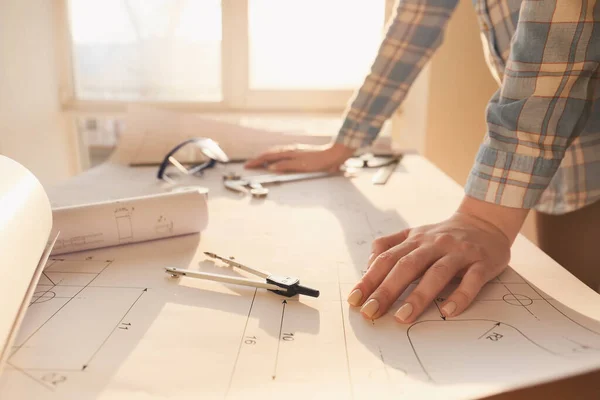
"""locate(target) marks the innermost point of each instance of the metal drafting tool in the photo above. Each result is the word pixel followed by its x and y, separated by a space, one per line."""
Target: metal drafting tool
pixel 383 173
pixel 254 184
pixel 385 165
pixel 369 160
pixel 287 286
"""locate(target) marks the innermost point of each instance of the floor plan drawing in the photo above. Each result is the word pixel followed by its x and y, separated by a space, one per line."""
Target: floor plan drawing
pixel 76 242
pixel 110 323
pixel 93 307
pixel 66 292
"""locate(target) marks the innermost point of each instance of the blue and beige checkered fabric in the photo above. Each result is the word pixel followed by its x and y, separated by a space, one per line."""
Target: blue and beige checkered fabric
pixel 542 147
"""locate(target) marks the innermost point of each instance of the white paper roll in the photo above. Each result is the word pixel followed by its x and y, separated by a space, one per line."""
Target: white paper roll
pixel 131 220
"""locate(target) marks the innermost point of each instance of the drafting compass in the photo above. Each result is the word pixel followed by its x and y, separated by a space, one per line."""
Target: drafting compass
pixel 254 184
pixel 287 286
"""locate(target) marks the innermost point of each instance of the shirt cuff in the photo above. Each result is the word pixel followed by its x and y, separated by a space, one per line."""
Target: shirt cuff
pixel 357 135
pixel 509 179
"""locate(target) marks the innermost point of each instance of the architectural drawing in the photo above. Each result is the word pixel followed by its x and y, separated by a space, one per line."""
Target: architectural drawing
pixel 124 225
pixel 93 319
pixel 485 339
pixel 66 292
pixel 129 220
pixel 109 323
pixel 79 241
pixel 164 226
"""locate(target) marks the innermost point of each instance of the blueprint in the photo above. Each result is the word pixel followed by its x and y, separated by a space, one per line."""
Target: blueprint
pixel 96 325
pixel 128 220
pixel 111 324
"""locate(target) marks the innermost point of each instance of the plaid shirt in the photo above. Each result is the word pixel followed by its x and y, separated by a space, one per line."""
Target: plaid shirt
pixel 542 147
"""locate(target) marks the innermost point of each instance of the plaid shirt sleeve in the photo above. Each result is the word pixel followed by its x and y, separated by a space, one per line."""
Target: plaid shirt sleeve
pixel 551 81
pixel 415 32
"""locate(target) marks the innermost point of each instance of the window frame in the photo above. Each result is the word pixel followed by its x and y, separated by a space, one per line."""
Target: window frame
pixel 234 68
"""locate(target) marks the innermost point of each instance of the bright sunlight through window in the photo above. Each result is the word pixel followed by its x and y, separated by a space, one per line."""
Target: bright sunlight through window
pixel 171 50
pixel 313 44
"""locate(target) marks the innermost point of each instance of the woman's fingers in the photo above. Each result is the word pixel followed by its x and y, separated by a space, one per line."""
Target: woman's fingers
pixel 406 269
pixel 472 282
pixel 438 252
pixel 385 243
pixel 379 269
pixel 297 163
pixel 303 158
pixel 270 157
pixel 432 283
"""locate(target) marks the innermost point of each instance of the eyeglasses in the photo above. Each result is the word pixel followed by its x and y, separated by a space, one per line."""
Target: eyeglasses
pixel 198 153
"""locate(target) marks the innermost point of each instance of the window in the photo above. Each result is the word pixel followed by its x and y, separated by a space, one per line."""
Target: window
pixel 222 54
pixel 312 44
pixel 162 50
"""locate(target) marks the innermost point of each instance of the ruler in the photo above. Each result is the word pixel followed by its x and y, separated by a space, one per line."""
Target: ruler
pixel 383 174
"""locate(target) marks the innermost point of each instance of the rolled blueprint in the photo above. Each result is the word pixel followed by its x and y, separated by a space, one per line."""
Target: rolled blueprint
pixel 131 220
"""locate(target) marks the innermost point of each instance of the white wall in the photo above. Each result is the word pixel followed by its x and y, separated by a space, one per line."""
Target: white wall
pixel 410 124
pixel 33 130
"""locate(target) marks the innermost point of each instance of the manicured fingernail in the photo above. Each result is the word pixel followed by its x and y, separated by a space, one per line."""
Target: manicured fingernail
pixel 449 308
pixel 370 308
pixel 404 312
pixel 355 297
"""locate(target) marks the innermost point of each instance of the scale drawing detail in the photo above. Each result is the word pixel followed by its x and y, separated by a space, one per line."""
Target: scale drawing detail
pixel 97 310
pixel 163 226
pixel 124 225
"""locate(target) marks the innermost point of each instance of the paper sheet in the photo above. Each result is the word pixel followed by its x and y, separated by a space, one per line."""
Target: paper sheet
pixel 129 220
pixel 110 324
pixel 150 134
pixel 25 223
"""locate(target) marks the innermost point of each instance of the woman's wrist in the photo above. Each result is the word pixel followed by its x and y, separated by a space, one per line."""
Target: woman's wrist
pixel 340 152
pixel 507 220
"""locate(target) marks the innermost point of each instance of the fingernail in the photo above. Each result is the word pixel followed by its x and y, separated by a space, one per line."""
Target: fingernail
pixel 404 312
pixel 370 308
pixel 355 297
pixel 449 308
pixel 272 167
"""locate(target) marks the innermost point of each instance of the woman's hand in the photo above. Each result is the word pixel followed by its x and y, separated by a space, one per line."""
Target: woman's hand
pixel 476 247
pixel 303 158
